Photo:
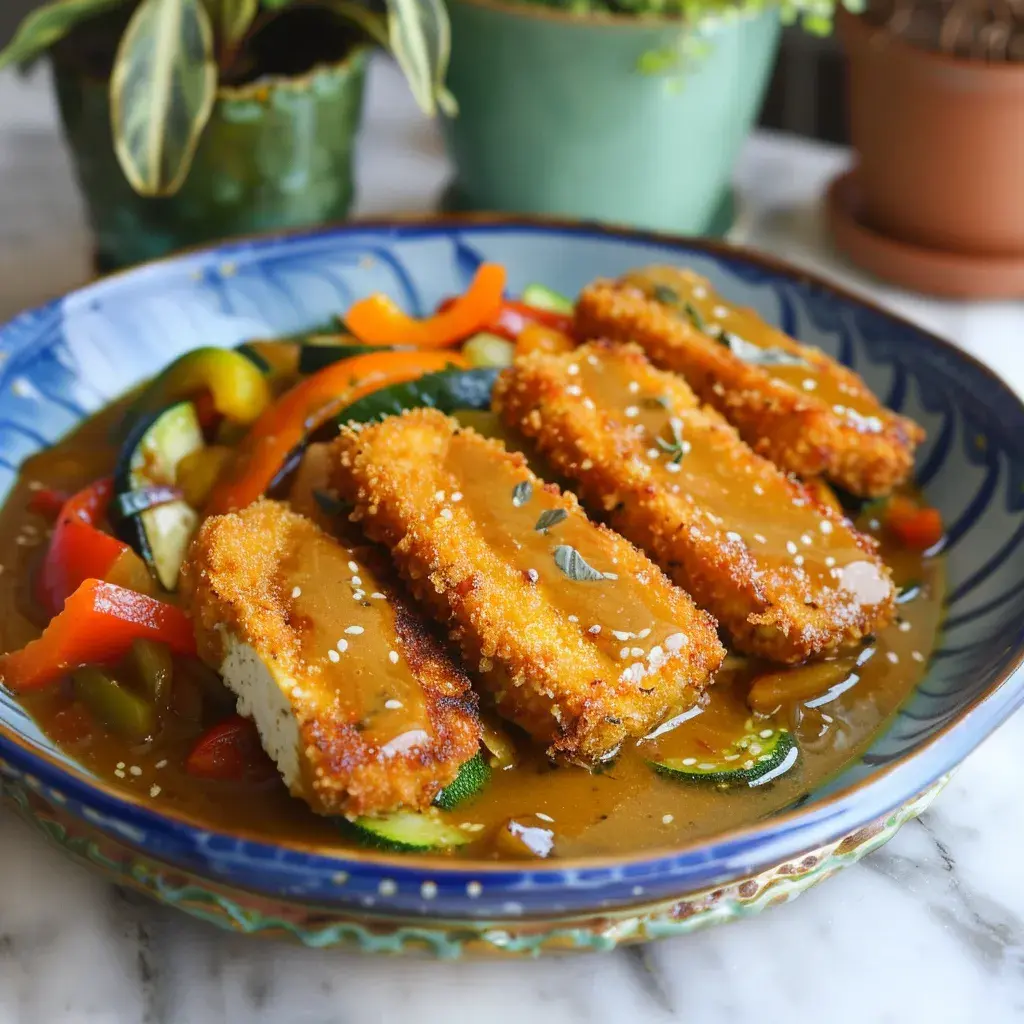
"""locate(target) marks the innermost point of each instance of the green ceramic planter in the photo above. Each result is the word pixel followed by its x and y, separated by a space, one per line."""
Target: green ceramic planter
pixel 556 117
pixel 276 154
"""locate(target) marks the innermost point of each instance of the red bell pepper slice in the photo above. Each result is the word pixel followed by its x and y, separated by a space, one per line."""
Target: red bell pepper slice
pixel 47 502
pixel 514 317
pixel 914 526
pixel 96 627
pixel 230 752
pixel 378 321
pixel 78 551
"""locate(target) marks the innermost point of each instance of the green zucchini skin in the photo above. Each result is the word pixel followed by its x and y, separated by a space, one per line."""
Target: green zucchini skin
pixel 472 777
pixel 753 760
pixel 540 296
pixel 160 534
pixel 406 832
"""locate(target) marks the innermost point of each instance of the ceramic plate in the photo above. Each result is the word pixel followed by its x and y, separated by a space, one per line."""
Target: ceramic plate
pixel 65 360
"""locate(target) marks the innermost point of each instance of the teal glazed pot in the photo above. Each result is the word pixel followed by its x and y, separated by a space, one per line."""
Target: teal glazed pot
pixel 276 154
pixel 557 117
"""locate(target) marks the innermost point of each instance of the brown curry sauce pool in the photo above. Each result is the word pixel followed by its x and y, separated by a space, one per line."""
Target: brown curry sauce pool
pixel 625 807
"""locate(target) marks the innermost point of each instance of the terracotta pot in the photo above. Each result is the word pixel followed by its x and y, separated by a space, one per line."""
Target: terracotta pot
pixel 940 142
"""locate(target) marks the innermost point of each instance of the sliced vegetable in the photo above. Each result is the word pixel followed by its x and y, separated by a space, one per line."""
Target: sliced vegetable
pixel 483 350
pixel 914 526
pixel 47 502
pixel 823 494
pixel 199 471
pixel 407 831
pixel 129 571
pixel 538 338
pixel 160 531
pixel 516 317
pixel 230 752
pixel 754 759
pixel 239 389
pixel 97 627
pixel 154 666
pixel 449 391
pixel 78 549
pixel 378 321
pixel 315 356
pixel 794 685
pixel 298 413
pixel 472 777
pixel 119 710
pixel 539 296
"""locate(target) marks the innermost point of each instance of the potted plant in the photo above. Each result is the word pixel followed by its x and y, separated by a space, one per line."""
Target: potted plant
pixel 197 119
pixel 936 112
pixel 630 111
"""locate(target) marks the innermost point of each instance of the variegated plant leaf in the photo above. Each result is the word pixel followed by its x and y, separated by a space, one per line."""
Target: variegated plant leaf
pixel 231 19
pixel 48 25
pixel 420 37
pixel 162 92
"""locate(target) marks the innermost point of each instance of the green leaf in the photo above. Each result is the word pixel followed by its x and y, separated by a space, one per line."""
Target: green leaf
pixel 420 38
pixel 231 19
pixel 48 25
pixel 162 93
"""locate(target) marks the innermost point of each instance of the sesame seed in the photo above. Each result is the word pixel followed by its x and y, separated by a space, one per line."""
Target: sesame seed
pixel 30 529
pixel 830 561
pixel 456 496
pixel 624 653
pixel 155 791
pixel 446 513
pixel 588 402
pixel 634 387
pixel 334 655
pixel 352 567
pixel 574 390
pixel 733 536
pixel 917 655
pixel 378 596
pixel 574 618
pixel 892 656
pixel 760 538
pixel 572 369
pixel 643 634
pixel 621 634
pixel 825 526
pixel 594 630
pixel 652 453
pixel 473 889
pixel 296 592
pixel 35 485
pixel 393 657
pixel 667 819
pixel 700 292
pixel 791 547
pixel 356 581
pixel 358 595
pixel 586 464
pixel 439 495
pixel 532 575
pixel 799 560
pixel 392 705
pixel 544 817
pixel 342 645
pixel 676 641
pixel 689 761
pixel 354 630
pixel 161 764
pixel 673 467
pixel 119 773
pixel 806 538
pixel 636 652
pixel 758 489
pixel 720 312
pixel 904 626
pixel 120 764
pixel 592 360
pixel 808 384
pixel 135 770
pixel 632 411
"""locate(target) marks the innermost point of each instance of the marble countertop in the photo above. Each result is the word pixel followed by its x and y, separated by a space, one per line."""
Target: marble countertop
pixel 930 928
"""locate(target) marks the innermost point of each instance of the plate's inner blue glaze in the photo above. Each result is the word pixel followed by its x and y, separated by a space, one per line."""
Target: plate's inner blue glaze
pixel 63 362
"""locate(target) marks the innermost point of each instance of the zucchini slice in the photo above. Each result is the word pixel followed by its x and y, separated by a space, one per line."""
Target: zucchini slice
pixel 149 459
pixel 472 777
pixel 754 759
pixel 541 297
pixel 408 831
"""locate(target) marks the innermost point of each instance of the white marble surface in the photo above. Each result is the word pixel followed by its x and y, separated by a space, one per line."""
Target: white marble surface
pixel 931 928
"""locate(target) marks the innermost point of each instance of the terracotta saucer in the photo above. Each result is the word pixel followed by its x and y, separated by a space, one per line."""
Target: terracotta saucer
pixel 951 275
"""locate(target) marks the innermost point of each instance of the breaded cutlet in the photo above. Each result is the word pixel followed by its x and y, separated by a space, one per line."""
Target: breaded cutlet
pixel 787 578
pixel 791 403
pixel 354 700
pixel 579 637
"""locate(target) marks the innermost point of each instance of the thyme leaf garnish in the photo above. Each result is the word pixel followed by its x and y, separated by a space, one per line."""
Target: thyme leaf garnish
pixel 576 567
pixel 550 517
pixel 678 446
pixel 755 356
pixel 522 493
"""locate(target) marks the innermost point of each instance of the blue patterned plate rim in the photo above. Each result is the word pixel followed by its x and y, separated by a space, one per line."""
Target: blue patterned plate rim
pixel 778 838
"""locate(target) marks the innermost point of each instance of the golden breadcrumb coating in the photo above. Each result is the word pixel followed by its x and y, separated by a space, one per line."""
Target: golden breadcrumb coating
pixel 579 637
pixel 806 412
pixel 786 577
pixel 344 649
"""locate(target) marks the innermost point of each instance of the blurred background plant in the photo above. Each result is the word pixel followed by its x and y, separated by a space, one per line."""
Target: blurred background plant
pixel 173 55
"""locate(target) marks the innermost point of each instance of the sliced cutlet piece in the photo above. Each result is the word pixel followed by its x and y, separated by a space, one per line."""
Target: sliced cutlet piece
pixel 354 700
pixel 787 578
pixel 791 403
pixel 580 638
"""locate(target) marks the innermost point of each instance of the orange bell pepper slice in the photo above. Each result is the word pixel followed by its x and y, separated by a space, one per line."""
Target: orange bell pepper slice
pixel 78 550
pixel 914 526
pixel 304 408
pixel 96 627
pixel 378 321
